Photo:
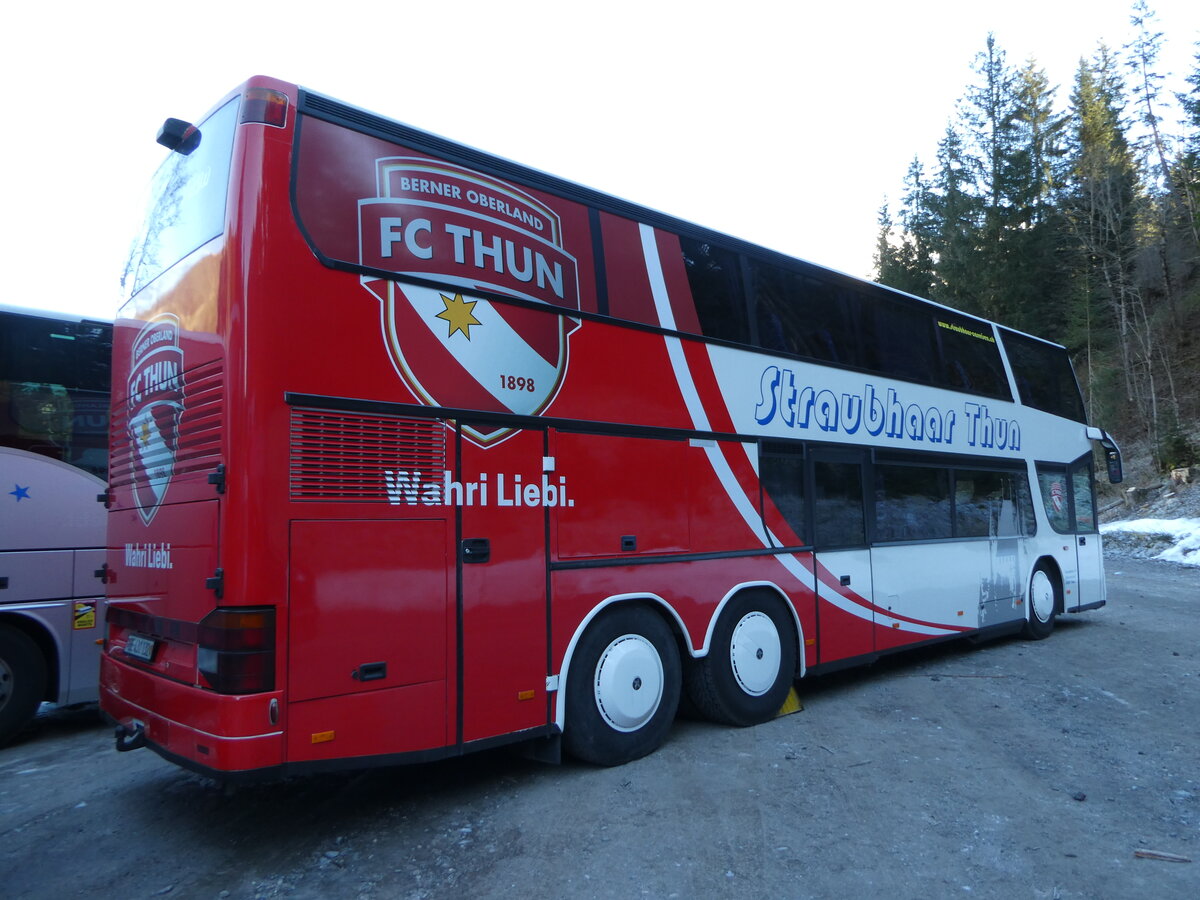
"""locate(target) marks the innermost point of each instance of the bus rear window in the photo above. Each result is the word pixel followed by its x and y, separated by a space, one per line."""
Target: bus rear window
pixel 187 202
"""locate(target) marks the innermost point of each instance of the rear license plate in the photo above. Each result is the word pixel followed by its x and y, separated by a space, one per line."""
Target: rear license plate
pixel 140 647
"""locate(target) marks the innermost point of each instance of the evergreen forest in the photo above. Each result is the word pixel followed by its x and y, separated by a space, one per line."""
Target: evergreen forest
pixel 1076 221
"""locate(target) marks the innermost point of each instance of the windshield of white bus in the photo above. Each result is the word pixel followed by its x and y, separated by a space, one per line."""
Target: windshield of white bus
pixel 54 383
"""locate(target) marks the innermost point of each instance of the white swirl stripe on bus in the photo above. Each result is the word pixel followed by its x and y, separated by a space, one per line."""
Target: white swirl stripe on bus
pixel 749 514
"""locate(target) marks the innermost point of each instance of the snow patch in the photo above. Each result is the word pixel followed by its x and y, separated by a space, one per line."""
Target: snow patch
pixel 1182 536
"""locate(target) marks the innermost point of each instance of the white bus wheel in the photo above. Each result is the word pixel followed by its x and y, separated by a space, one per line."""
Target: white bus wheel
pixel 1043 602
pixel 751 664
pixel 623 687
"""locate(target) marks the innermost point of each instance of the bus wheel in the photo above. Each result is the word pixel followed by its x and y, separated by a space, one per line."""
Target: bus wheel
pixel 749 669
pixel 22 681
pixel 1044 592
pixel 623 687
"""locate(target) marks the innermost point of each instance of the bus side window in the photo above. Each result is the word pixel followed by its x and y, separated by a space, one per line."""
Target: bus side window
pixel 838 518
pixel 991 504
pixel 900 338
pixel 912 503
pixel 970 357
pixel 781 471
pixel 1056 496
pixel 776 307
pixel 715 277
pixel 1024 502
pixel 1082 496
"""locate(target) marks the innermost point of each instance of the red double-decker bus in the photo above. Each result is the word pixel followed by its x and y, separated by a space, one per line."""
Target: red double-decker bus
pixel 417 451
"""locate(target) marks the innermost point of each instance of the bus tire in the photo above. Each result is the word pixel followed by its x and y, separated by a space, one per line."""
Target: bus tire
pixel 623 687
pixel 1045 598
pixel 751 664
pixel 22 681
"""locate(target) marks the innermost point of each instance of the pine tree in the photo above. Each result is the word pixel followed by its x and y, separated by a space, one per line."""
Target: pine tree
pixel 1082 228
pixel 1033 276
pixel 888 268
pixel 1099 206
pixel 952 224
pixel 1147 87
pixel 987 114
pixel 1187 177
pixel 1012 155
pixel 904 257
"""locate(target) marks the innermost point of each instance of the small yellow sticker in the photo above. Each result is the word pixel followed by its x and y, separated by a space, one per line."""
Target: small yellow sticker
pixel 322 737
pixel 85 614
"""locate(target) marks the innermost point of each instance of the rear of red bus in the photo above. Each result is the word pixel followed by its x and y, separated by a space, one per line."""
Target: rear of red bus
pixel 190 667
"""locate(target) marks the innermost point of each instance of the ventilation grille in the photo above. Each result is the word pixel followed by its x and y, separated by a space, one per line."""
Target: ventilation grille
pixel 188 441
pixel 345 456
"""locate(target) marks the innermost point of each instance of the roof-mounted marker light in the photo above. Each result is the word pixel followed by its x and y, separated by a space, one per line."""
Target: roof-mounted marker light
pixel 266 106
pixel 179 136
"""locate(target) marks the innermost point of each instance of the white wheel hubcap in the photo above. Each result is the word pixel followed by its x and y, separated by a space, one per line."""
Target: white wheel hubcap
pixel 629 682
pixel 1041 596
pixel 755 653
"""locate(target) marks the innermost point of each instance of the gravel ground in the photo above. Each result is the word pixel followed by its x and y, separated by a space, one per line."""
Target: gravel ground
pixel 1062 769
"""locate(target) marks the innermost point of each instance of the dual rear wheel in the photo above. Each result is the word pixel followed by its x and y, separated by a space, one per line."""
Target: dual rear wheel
pixel 627 676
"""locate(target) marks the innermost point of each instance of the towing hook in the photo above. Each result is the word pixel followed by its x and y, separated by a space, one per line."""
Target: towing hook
pixel 131 737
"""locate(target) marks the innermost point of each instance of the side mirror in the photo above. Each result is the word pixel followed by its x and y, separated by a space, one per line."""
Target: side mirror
pixel 1112 453
pixel 179 136
pixel 1112 459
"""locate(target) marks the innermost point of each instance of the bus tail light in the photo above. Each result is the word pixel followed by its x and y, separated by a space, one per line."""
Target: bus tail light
pixel 265 106
pixel 236 650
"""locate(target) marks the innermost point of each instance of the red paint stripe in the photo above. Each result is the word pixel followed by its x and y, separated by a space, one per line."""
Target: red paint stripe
pixel 679 290
pixel 541 330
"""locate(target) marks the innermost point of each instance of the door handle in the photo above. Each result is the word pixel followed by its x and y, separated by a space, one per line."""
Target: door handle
pixel 370 672
pixel 844 581
pixel 476 550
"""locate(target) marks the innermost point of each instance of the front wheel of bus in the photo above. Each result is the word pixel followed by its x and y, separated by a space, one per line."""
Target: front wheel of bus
pixel 1044 602
pixel 623 687
pixel 22 681
pixel 746 676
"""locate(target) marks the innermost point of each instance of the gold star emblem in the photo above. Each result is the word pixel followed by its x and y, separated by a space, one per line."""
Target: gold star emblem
pixel 458 314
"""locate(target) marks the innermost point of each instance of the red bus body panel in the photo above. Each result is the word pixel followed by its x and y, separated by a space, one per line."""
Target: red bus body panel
pixel 347 519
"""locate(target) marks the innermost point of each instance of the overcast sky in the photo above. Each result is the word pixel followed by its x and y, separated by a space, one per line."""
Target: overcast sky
pixel 786 123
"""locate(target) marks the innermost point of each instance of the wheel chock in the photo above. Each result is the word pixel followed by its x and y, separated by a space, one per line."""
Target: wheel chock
pixel 791 705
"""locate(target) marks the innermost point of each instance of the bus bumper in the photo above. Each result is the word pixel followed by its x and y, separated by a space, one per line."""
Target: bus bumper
pixel 225 735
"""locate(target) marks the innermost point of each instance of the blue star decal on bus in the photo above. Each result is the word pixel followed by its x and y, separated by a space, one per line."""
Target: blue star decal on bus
pixel 21 493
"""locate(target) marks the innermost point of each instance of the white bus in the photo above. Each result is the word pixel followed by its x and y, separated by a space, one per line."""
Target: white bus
pixel 54 388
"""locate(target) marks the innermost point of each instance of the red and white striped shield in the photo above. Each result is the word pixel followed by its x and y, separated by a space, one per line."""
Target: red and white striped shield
pixel 155 388
pixel 460 241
